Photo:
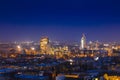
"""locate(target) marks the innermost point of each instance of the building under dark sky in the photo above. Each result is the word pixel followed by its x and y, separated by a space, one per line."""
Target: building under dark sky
pixel 63 20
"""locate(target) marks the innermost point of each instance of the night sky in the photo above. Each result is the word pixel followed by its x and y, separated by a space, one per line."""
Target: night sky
pixel 62 20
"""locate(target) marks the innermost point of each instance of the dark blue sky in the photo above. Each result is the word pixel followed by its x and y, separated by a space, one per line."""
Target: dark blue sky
pixel 63 20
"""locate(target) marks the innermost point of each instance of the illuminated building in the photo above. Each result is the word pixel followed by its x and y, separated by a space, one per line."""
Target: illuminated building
pixel 83 42
pixel 96 45
pixel 107 77
pixel 44 45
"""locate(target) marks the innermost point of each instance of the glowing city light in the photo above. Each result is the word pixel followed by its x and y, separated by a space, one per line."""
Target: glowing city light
pixel 71 60
pixel 32 48
pixel 19 47
pixel 96 58
pixel 96 78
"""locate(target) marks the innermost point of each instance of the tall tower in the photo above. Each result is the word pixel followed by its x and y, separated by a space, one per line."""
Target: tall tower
pixel 44 43
pixel 83 42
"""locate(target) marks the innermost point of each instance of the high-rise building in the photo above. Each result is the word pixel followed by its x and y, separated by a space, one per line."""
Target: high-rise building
pixel 44 44
pixel 83 42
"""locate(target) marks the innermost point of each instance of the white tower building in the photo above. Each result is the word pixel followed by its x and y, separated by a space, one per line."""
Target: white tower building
pixel 83 42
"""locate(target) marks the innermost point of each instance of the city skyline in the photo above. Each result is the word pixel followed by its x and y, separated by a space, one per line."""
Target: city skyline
pixel 59 20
